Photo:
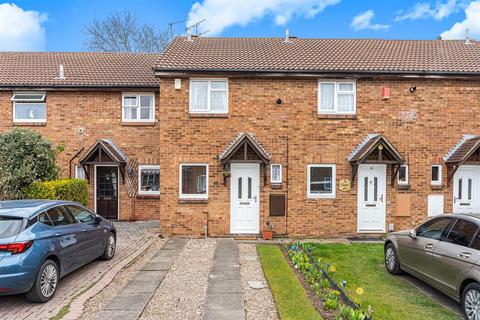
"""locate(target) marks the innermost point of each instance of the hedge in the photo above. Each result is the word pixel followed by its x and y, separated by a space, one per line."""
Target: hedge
pixel 63 189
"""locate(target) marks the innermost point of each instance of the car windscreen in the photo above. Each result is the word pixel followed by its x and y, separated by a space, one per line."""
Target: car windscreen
pixel 10 226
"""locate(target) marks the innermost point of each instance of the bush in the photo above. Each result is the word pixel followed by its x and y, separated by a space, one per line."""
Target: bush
pixel 25 156
pixel 64 189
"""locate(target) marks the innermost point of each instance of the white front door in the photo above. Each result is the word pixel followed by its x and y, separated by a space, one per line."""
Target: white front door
pixel 244 198
pixel 465 189
pixel 372 189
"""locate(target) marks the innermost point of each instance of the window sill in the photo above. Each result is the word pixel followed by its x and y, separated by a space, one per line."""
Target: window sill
pixel 138 123
pixel 403 187
pixel 29 124
pixel 336 116
pixel 436 186
pixel 148 196
pixel 276 185
pixel 319 197
pixel 193 201
pixel 209 115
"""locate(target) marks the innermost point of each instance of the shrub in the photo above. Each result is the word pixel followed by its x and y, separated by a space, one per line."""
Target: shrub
pixel 25 156
pixel 64 189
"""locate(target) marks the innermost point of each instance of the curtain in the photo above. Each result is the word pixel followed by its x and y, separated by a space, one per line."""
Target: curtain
pixel 345 102
pixel 327 93
pixel 199 96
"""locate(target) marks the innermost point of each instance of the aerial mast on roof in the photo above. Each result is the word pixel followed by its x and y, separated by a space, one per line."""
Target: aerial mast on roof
pixel 194 28
pixel 171 24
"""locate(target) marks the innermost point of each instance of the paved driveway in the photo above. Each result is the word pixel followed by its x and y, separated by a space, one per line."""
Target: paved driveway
pixel 130 236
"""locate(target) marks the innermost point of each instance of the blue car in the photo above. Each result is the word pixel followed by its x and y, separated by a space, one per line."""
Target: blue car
pixel 42 241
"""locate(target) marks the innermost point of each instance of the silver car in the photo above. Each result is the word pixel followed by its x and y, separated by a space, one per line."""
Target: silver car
pixel 444 252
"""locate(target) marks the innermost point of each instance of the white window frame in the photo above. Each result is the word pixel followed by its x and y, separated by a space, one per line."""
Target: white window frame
pixel 138 95
pixel 147 166
pixel 271 173
pixel 439 181
pixel 331 195
pixel 182 195
pixel 335 95
pixel 76 172
pixel 16 99
pixel 403 183
pixel 209 80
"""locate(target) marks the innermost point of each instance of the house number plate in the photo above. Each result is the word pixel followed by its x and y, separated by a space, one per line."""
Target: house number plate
pixel 344 185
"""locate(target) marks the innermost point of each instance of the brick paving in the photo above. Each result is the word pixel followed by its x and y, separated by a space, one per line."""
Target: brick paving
pixel 130 236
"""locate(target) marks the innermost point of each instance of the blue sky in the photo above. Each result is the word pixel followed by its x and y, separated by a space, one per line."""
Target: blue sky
pixel 57 25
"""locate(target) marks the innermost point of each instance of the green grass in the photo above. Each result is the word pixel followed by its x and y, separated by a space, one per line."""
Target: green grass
pixel 61 313
pixel 291 299
pixel 391 297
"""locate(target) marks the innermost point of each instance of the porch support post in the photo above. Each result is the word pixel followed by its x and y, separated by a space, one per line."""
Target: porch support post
pixel 395 169
pixel 354 173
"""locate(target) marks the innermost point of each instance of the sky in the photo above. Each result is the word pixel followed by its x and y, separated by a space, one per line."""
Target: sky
pixel 33 25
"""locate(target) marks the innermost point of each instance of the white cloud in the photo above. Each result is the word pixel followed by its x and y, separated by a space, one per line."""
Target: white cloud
pixel 363 21
pixel 21 30
pixel 220 14
pixel 471 22
pixel 424 10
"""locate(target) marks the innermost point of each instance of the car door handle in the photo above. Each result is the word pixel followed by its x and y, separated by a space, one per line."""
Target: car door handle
pixel 428 246
pixel 465 255
pixel 84 230
pixel 58 234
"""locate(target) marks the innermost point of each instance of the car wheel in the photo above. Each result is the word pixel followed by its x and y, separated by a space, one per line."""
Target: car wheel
pixel 45 283
pixel 109 251
pixel 471 301
pixel 391 259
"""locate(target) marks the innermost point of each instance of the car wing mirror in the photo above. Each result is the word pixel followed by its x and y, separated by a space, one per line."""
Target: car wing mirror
pixel 412 234
pixel 97 220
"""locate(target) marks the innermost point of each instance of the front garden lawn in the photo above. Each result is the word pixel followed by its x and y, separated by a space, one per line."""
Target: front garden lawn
pixel 291 299
pixel 361 265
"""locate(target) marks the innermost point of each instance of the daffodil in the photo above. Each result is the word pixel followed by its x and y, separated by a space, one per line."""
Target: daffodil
pixel 359 291
pixel 332 269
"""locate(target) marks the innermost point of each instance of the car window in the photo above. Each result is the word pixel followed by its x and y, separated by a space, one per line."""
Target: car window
pixel 10 226
pixel 462 233
pixel 43 218
pixel 58 217
pixel 80 214
pixel 433 229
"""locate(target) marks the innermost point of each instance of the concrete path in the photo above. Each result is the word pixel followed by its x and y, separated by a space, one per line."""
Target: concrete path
pixel 224 294
pixel 129 303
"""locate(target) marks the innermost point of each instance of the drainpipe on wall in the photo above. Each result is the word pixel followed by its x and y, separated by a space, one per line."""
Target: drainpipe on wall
pixel 286 192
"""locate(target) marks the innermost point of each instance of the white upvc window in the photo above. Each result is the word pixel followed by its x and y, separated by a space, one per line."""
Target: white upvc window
pixel 193 182
pixel 29 107
pixel 321 180
pixel 437 175
pixel 208 96
pixel 80 172
pixel 275 173
pixel 403 175
pixel 138 107
pixel 149 179
pixel 336 97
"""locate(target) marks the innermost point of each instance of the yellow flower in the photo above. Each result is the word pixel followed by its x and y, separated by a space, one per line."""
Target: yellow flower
pixel 359 291
pixel 336 293
pixel 333 269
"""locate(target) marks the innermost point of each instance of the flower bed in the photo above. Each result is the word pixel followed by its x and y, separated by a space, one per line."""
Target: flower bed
pixel 320 277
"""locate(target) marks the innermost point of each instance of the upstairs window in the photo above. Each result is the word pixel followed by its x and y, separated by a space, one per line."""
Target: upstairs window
pixel 336 97
pixel 138 107
pixel 29 107
pixel 208 96
pixel 403 175
pixel 149 179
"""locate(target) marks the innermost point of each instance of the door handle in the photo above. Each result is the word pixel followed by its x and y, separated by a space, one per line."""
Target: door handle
pixel 84 230
pixel 428 246
pixel 255 197
pixel 58 234
pixel 381 198
pixel 465 255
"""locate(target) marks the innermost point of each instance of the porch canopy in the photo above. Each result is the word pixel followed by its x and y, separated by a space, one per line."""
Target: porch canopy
pixel 104 152
pixel 245 148
pixel 466 151
pixel 375 149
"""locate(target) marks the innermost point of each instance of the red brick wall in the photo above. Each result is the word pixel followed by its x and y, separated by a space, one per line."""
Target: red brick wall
pixel 99 112
pixel 445 109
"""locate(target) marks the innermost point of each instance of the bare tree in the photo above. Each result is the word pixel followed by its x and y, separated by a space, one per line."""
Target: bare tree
pixel 120 32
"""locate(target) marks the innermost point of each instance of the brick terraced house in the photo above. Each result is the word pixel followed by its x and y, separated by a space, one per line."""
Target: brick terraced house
pixel 316 137
pixel 103 109
pixel 308 137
